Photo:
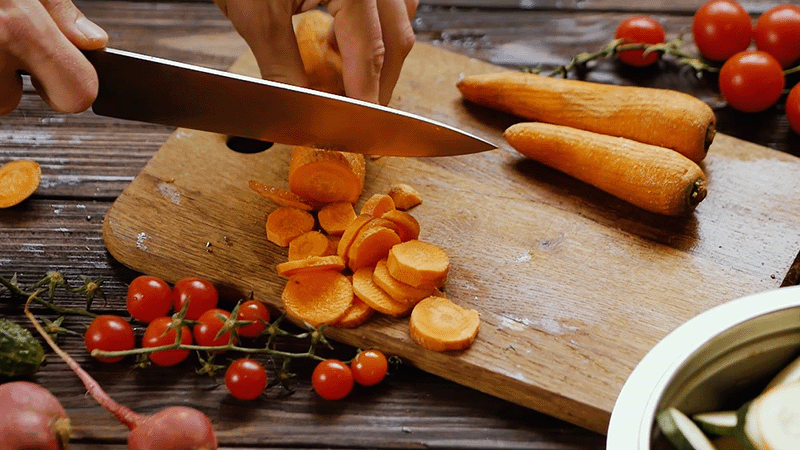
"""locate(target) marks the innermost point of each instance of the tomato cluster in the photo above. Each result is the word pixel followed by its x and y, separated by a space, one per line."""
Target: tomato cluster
pixel 333 380
pixel 753 56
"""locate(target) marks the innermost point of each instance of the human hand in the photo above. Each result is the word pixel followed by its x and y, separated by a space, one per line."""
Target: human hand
pixel 373 37
pixel 44 38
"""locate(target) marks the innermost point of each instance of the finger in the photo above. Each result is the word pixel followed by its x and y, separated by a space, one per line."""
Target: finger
pixel 266 26
pixel 65 78
pixel 398 39
pixel 359 38
pixel 10 89
pixel 85 34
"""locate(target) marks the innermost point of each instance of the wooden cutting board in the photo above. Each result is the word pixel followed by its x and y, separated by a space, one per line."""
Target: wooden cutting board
pixel 573 285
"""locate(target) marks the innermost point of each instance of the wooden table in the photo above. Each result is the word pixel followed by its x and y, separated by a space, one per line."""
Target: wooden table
pixel 88 160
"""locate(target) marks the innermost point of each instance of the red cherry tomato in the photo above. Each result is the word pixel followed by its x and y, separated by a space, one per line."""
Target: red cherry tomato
pixel 793 108
pixel 245 379
pixel 200 293
pixel 109 333
pixel 148 297
pixel 208 326
pixel 369 367
pixel 640 29
pixel 256 312
pixel 332 379
pixel 721 28
pixel 156 335
pixel 777 32
pixel 751 81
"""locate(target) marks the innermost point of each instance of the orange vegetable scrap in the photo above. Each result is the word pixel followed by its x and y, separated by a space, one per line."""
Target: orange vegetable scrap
pixel 438 324
pixel 312 263
pixel 317 297
pixel 18 180
pixel 405 197
pixel 335 217
pixel 377 205
pixel 286 223
pixel 310 243
pixel 418 263
pixel 280 196
pixel 365 289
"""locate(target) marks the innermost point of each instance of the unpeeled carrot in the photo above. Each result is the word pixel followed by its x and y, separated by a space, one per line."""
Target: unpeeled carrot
pixel 322 176
pixel 317 297
pixel 280 196
pixel 660 117
pixel 335 217
pixel 418 263
pixel 310 243
pixel 405 197
pixel 286 223
pixel 438 324
pixel 18 180
pixel 653 178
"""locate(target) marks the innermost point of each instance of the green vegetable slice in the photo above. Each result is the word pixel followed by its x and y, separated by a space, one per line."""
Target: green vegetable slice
pixel 720 423
pixel 682 431
pixel 21 354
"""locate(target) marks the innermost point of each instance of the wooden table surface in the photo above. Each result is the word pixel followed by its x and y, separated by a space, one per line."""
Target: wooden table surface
pixel 88 160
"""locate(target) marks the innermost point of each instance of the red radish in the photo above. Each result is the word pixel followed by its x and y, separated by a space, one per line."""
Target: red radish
pixel 31 418
pixel 174 428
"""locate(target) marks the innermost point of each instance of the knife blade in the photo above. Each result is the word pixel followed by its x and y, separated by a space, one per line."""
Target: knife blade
pixel 149 89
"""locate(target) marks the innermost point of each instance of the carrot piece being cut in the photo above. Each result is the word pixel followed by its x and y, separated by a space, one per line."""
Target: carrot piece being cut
pixel 365 289
pixel 280 196
pixel 322 62
pixel 405 197
pixel 286 223
pixel 317 297
pixel 356 315
pixel 326 176
pixel 370 246
pixel 438 324
pixel 335 217
pixel 18 180
pixel 310 243
pixel 377 205
pixel 310 264
pixel 407 226
pixel 418 263
pixel 397 289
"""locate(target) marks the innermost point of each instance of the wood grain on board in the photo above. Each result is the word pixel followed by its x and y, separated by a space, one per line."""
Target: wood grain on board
pixel 573 285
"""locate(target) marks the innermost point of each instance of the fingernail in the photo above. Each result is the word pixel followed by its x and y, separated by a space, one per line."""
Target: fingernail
pixel 90 30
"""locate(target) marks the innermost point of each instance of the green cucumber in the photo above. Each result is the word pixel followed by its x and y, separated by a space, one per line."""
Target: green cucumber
pixel 21 354
pixel 720 423
pixel 682 431
pixel 771 421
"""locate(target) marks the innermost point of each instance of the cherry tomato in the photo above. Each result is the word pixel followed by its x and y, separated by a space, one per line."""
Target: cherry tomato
pixel 369 367
pixel 208 326
pixel 332 379
pixel 109 333
pixel 793 108
pixel 721 28
pixel 252 311
pixel 640 29
pixel 777 32
pixel 245 379
pixel 156 335
pixel 200 293
pixel 148 297
pixel 751 81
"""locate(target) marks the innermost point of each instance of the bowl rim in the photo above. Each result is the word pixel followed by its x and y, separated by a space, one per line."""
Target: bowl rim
pixel 631 420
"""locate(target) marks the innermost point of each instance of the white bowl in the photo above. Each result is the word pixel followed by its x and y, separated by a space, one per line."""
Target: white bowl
pixel 715 361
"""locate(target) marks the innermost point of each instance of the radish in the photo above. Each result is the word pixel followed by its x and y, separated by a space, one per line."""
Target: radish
pixel 174 428
pixel 31 418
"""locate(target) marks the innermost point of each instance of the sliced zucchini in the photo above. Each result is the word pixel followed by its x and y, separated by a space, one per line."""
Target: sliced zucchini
pixel 772 421
pixel 720 423
pixel 682 431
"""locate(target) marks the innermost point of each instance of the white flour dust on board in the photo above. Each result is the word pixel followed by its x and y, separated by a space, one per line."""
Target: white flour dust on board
pixel 169 192
pixel 141 241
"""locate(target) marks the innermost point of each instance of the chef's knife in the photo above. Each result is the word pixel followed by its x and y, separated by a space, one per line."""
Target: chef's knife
pixel 148 89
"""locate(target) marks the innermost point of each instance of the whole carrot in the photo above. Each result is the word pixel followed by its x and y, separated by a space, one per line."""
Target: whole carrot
pixel 653 178
pixel 659 117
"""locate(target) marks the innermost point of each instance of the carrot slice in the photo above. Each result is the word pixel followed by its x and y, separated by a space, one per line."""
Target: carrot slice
pixel 310 264
pixel 350 234
pixel 377 205
pixel 280 196
pixel 335 217
pixel 18 180
pixel 310 243
pixel 397 289
pixel 438 324
pixel 365 288
pixel 407 226
pixel 317 297
pixel 418 263
pixel 286 223
pixel 356 315
pixel 326 176
pixel 370 246
pixel 405 197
